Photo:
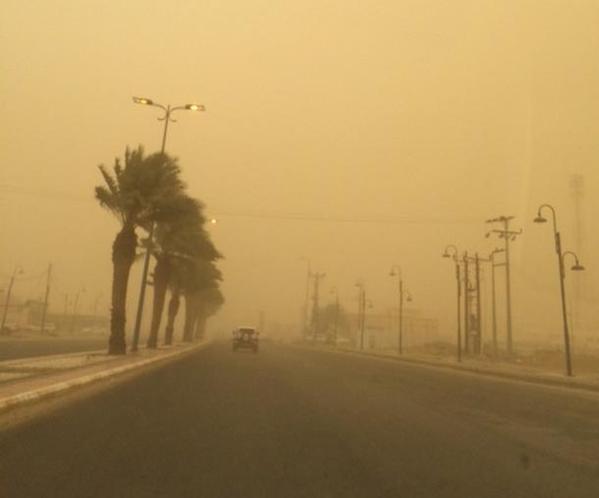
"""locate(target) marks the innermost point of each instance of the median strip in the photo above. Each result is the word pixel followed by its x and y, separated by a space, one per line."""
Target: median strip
pixel 76 370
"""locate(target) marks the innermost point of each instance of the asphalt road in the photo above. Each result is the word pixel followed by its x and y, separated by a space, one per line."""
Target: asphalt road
pixel 294 423
pixel 14 348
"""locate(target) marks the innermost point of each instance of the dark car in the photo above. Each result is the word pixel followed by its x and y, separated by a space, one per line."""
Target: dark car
pixel 245 338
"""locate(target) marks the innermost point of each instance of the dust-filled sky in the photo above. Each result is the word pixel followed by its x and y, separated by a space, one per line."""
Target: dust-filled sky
pixel 354 134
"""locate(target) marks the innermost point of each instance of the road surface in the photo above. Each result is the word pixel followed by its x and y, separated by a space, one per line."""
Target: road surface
pixel 289 422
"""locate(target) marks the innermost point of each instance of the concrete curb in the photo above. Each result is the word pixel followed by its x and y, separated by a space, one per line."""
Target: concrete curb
pixel 54 389
pixel 542 379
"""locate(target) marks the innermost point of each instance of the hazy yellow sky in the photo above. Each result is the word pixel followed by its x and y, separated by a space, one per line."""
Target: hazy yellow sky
pixel 418 118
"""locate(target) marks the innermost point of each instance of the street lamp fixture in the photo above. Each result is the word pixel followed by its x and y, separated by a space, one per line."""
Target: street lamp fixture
pixel 142 101
pixel 577 266
pixel 453 254
pixel 195 107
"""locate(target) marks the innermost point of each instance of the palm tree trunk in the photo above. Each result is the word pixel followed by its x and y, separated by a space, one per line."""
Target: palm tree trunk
pixel 161 277
pixel 173 308
pixel 191 313
pixel 123 255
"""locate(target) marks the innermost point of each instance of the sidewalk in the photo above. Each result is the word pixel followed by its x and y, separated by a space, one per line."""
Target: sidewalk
pixel 482 367
pixel 30 379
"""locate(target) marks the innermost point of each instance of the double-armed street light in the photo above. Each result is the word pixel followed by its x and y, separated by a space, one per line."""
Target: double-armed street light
pixel 562 276
pixel 454 255
pixel 166 117
pixel 17 271
pixel 396 272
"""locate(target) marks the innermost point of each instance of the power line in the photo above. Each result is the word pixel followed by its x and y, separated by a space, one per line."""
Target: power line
pixel 343 219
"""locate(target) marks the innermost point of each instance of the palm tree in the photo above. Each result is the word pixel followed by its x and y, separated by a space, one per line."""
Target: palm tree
pixel 181 239
pixel 203 277
pixel 210 301
pixel 137 194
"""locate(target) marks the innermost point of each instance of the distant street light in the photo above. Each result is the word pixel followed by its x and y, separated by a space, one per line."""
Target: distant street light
pixel 168 110
pixel 17 271
pixel 396 272
pixel 361 311
pixel 562 276
pixel 306 309
pixel 454 256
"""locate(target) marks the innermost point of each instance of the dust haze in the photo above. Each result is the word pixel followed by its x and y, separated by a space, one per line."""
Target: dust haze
pixel 352 135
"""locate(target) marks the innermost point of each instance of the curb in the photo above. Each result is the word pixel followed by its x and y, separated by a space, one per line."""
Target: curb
pixel 571 383
pixel 53 389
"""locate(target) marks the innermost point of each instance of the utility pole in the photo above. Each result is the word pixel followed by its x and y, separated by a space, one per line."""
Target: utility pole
pixel 479 319
pixel 508 236
pixel 363 320
pixel 45 309
pixel 307 299
pixel 459 300
pixel 466 306
pixel 455 255
pixel 494 299
pixel 315 306
pixel 17 271
pixel 336 315
pixel 361 312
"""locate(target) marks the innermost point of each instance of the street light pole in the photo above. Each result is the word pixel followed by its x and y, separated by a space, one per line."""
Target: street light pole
pixel 307 297
pixel 396 272
pixel 562 276
pixel 316 305
pixel 168 110
pixel 17 271
pixel 456 260
pixel 361 311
